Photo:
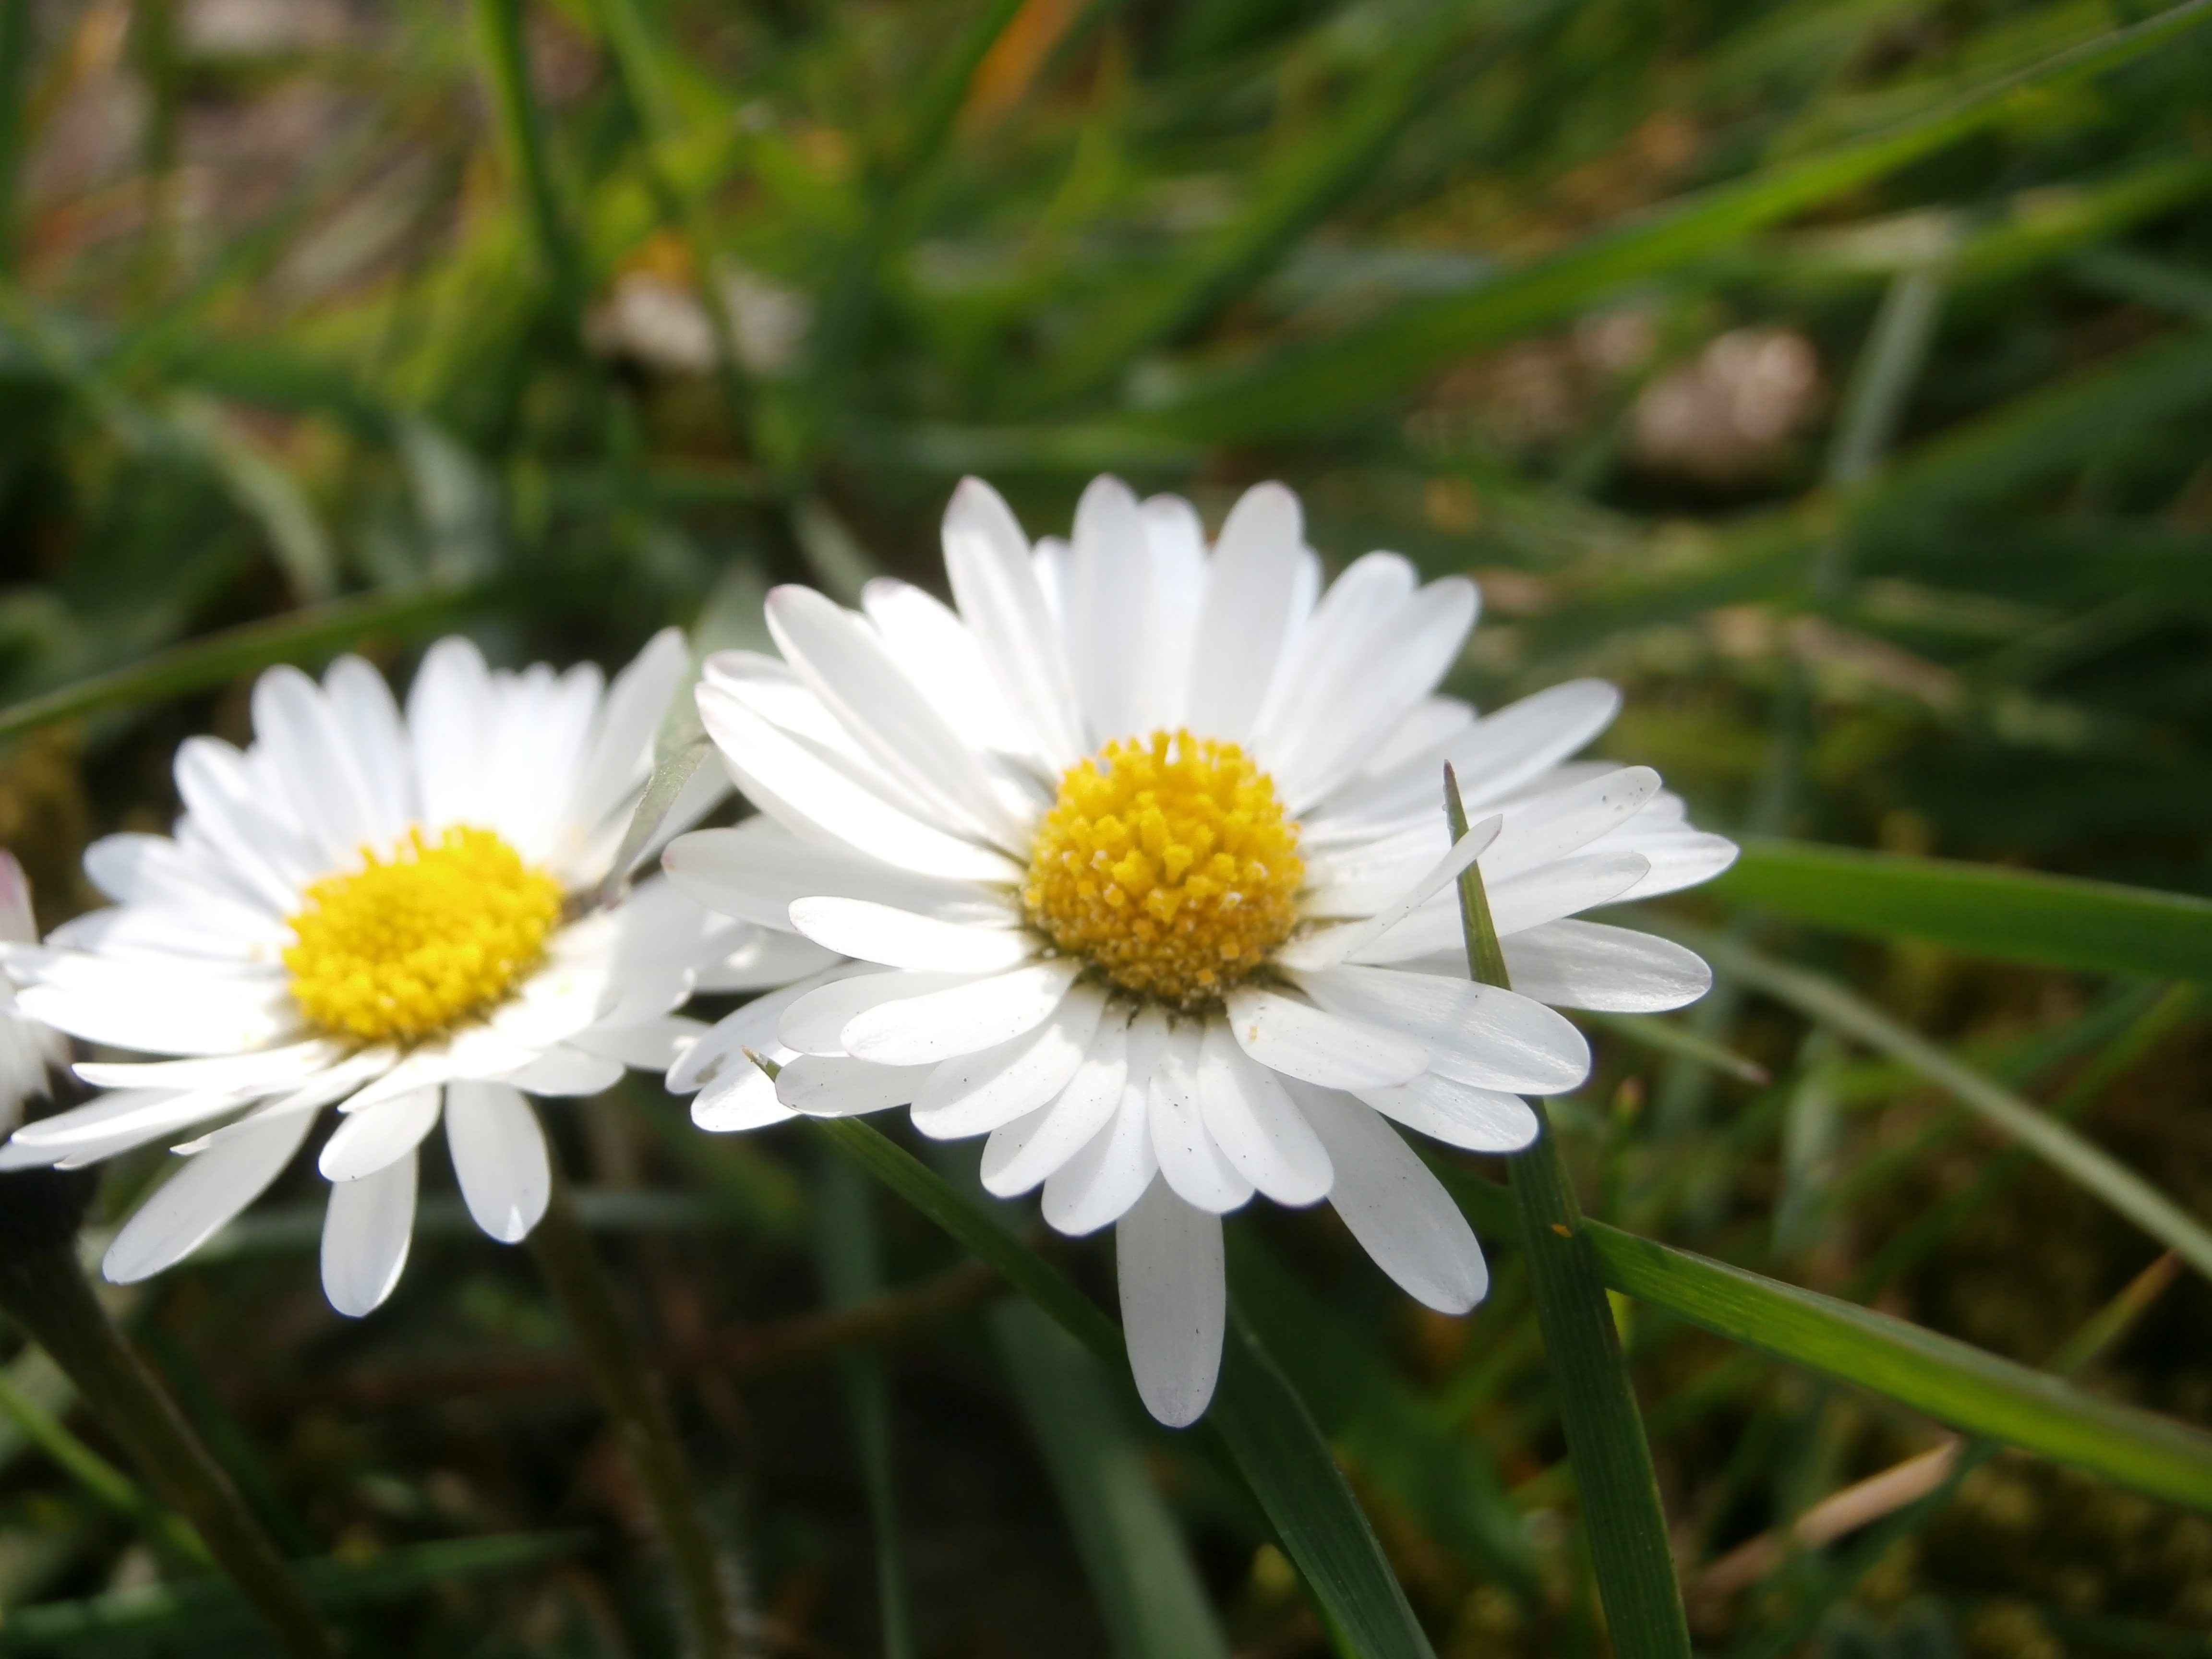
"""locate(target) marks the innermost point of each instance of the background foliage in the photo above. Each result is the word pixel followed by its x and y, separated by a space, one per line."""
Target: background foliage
pixel 1761 356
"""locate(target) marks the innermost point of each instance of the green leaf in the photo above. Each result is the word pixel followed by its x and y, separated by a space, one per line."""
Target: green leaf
pixel 1148 1588
pixel 1622 1516
pixel 1257 1415
pixel 1325 381
pixel 1824 1000
pixel 2016 915
pixel 1952 1382
pixel 301 635
pixel 198 1607
pixel 849 1258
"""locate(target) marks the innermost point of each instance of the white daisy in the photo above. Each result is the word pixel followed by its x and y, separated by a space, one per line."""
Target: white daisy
pixel 1141 863
pixel 28 1050
pixel 400 916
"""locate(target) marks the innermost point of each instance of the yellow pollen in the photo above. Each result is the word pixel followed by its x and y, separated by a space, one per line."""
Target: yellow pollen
pixel 1167 861
pixel 409 945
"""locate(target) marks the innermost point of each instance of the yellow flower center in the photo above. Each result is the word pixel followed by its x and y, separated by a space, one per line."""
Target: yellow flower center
pixel 411 944
pixel 1167 862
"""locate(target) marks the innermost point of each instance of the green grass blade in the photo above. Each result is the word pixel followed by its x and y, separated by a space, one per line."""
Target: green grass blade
pixel 1258 1416
pixel 198 1607
pixel 1681 1042
pixel 1824 1000
pixel 96 1475
pixel 2016 915
pixel 1323 382
pixel 1319 173
pixel 1280 1452
pixel 1148 1588
pixel 1952 1382
pixel 850 1260
pixel 522 128
pixel 304 635
pixel 1622 1515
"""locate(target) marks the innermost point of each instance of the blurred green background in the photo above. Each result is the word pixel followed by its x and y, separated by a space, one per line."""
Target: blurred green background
pixel 1854 413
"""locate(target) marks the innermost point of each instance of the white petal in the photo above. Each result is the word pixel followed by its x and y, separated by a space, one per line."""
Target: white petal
pixel 267 1067
pixel 1492 758
pixel 936 651
pixel 1256 1123
pixel 974 1094
pixel 1491 1038
pixel 964 1020
pixel 753 1026
pixel 822 1086
pixel 362 704
pixel 766 960
pixel 815 1024
pixel 1398 1210
pixel 1111 595
pixel 756 869
pixel 449 727
pixel 1024 1152
pixel 304 745
pixel 1301 1041
pixel 1675 861
pixel 1177 589
pixel 900 938
pixel 1552 891
pixel 1195 1166
pixel 987 561
pixel 843 661
pixel 16 924
pixel 1111 1171
pixel 566 1071
pixel 1332 944
pixel 267 856
pixel 814 798
pixel 620 753
pixel 742 1098
pixel 650 1045
pixel 194 1203
pixel 367 1229
pixel 127 1118
pixel 1458 1114
pixel 499 1157
pixel 1251 589
pixel 127 1005
pixel 1587 964
pixel 1174 1303
pixel 373 1137
pixel 1564 821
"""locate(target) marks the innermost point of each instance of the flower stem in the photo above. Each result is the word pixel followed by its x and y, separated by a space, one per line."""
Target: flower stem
pixel 44 1290
pixel 631 1398
pixel 1621 1512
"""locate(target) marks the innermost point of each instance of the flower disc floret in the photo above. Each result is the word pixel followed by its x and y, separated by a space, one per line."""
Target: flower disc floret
pixel 1169 863
pixel 409 945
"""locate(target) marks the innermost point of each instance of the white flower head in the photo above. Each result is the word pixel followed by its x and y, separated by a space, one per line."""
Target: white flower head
pixel 29 1049
pixel 395 914
pixel 1140 860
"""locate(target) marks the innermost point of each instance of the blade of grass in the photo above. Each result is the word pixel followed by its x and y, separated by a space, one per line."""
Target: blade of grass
pixel 1325 381
pixel 1822 998
pixel 19 39
pixel 1621 1512
pixel 1256 1414
pixel 849 1259
pixel 1975 1392
pixel 302 636
pixel 98 1477
pixel 1681 1042
pixel 522 129
pixel 1148 1588
pixel 197 1607
pixel 2017 915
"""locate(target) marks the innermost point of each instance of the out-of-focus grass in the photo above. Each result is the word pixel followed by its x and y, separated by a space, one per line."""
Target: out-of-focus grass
pixel 569 319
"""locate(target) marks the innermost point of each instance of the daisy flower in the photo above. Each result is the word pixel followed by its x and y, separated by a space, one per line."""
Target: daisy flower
pixel 399 915
pixel 1139 862
pixel 28 1050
